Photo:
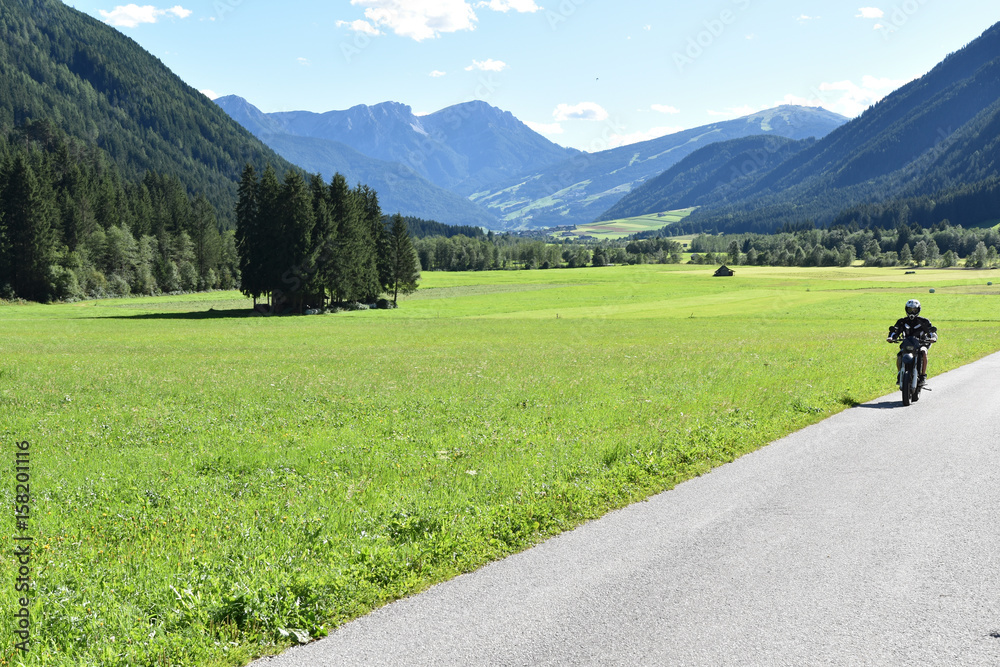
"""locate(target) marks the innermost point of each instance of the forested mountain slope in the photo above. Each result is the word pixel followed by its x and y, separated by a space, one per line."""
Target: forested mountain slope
pixel 936 137
pixel 102 88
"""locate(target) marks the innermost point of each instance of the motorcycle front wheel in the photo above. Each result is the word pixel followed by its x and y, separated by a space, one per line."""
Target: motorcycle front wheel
pixel 907 381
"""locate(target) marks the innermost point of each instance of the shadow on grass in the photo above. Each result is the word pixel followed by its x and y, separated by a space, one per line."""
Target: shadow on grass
pixel 210 314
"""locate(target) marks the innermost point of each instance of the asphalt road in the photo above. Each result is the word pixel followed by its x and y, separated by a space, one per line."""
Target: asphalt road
pixel 872 538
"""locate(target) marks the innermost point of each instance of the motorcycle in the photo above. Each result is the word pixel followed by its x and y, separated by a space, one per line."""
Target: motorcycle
pixel 912 348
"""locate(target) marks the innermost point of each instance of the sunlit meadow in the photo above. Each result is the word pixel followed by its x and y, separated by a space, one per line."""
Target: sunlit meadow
pixel 210 486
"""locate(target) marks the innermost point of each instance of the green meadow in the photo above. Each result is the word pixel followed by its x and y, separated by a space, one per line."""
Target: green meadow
pixel 618 229
pixel 211 486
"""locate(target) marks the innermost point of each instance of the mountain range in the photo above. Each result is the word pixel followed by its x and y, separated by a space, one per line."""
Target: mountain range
pixel 932 140
pixel 516 178
pixel 580 189
pixel 420 165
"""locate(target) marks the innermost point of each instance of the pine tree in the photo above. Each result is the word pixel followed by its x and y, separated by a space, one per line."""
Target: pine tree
pixel 324 234
pixel 207 243
pixel 248 234
pixel 371 230
pixel 269 243
pixel 404 267
pixel 372 212
pixel 29 237
pixel 297 221
pixel 352 247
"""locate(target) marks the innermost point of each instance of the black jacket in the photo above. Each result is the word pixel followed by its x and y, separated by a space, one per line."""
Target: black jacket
pixel 919 326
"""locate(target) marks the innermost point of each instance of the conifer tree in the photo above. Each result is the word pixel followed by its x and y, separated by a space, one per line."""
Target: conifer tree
pixel 372 212
pixel 296 223
pixel 349 246
pixel 248 233
pixel 404 267
pixel 324 235
pixel 207 243
pixel 370 230
pixel 28 230
pixel 269 242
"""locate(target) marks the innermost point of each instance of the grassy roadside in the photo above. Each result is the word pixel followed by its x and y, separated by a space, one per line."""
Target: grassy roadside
pixel 209 488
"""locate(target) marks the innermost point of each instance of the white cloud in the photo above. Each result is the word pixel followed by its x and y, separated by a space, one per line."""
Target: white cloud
pixel 488 65
pixel 359 26
pixel 665 108
pixel 419 19
pixel 522 6
pixel 545 128
pixel 582 111
pixel 210 94
pixel 869 13
pixel 888 85
pixel 437 74
pixel 130 16
pixel 304 61
pixel 616 140
pixel 803 18
pixel 846 97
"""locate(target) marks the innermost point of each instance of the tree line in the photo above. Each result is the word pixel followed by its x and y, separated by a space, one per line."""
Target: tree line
pixel 308 244
pixel 943 244
pixel 71 227
pixel 497 252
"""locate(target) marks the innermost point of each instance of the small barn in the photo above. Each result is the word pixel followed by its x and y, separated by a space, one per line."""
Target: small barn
pixel 724 271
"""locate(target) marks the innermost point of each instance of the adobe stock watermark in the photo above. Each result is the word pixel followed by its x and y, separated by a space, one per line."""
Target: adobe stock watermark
pixel 22 546
pixel 714 29
pixel 571 174
pixel 355 47
pixel 756 162
pixel 893 21
pixel 415 160
pixel 225 7
pixel 946 139
pixel 563 12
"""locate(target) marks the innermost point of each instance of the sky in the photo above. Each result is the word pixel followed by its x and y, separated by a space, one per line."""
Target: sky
pixel 589 74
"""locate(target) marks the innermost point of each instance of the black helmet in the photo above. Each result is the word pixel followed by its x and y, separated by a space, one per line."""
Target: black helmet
pixel 912 308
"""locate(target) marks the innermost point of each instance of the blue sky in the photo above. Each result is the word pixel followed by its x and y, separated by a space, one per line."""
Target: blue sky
pixel 592 74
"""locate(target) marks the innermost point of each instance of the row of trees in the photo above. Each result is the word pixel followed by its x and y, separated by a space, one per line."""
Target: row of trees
pixel 941 245
pixel 498 252
pixel 71 227
pixel 304 244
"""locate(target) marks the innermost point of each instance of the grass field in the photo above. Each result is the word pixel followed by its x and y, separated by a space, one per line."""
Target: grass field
pixel 617 229
pixel 210 486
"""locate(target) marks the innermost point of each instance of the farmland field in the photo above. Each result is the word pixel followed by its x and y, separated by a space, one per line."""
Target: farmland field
pixel 617 229
pixel 210 486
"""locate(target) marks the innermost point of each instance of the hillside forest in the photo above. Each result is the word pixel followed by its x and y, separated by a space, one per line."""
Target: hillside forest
pixel 71 226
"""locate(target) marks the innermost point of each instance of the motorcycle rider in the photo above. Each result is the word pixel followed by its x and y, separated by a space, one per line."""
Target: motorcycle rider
pixel 914 325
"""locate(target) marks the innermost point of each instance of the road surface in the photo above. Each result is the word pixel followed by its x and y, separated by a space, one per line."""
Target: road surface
pixel 872 538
